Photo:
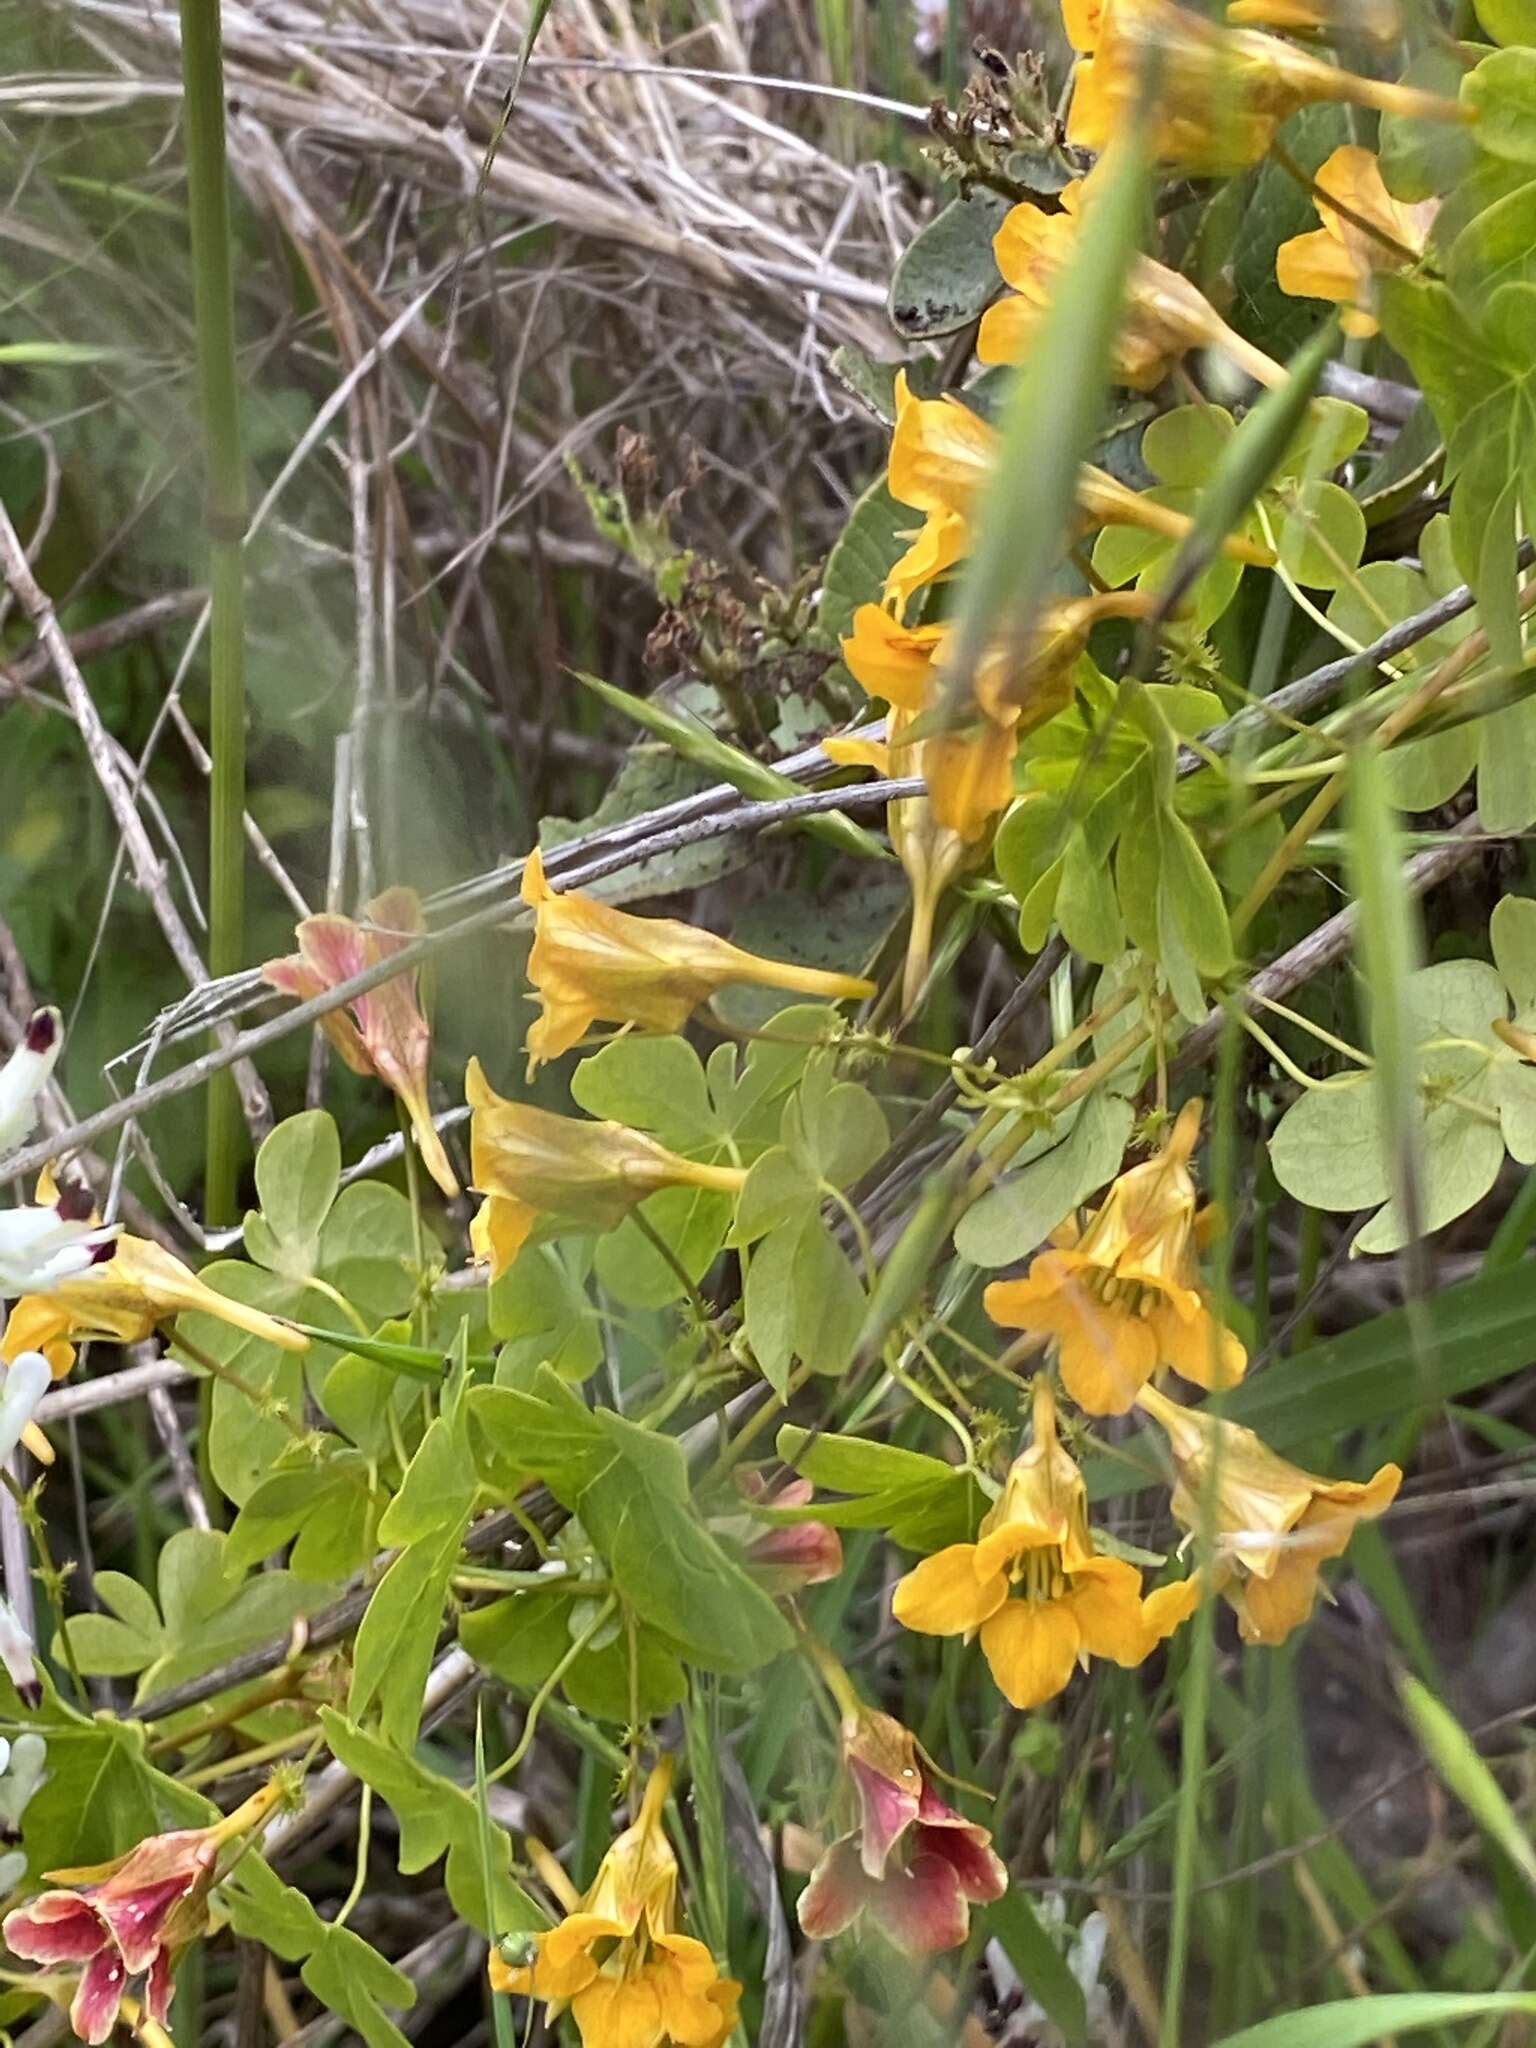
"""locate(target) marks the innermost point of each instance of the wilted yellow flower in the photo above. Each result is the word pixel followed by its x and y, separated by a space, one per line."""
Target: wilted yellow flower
pixel 619 1959
pixel 124 1299
pixel 531 1164
pixel 1377 21
pixel 591 962
pixel 1276 1524
pixel 1163 314
pixel 942 454
pixel 1124 1296
pixel 386 1034
pixel 973 774
pixel 1032 1584
pixel 1220 93
pixel 1342 259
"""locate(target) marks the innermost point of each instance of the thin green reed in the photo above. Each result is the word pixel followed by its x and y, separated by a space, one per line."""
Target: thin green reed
pixel 202 71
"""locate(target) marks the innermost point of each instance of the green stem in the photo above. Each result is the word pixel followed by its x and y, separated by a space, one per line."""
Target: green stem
pixel 1196 1691
pixel 202 70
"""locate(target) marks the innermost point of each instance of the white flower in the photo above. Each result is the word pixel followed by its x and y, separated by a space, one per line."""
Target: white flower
pixel 22 1773
pixel 27 1378
pixel 25 1075
pixel 40 1248
pixel 16 1649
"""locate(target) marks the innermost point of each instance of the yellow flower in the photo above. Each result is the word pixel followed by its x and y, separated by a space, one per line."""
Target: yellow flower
pixel 1221 93
pixel 1342 259
pixel 386 1034
pixel 531 1164
pixel 1275 1524
pixel 1124 1297
pixel 591 962
pixel 40 1322
pixel 1032 1584
pixel 1378 21
pixel 1082 20
pixel 1164 314
pixel 123 1300
pixel 941 456
pixel 970 776
pixel 631 1977
pixel 969 772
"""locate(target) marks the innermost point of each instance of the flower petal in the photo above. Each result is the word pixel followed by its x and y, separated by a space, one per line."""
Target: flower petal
pixel 1032 1647
pixel 1107 1354
pixel 887 1809
pixel 945 1596
pixel 922 1908
pixel 618 2012
pixel 1106 1605
pixel 837 1893
pixel 57 1927
pixel 979 1870
pixel 93 2010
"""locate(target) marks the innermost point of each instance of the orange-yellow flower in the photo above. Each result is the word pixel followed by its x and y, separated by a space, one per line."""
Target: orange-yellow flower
pixel 1220 93
pixel 969 772
pixel 1342 259
pixel 1163 315
pixel 534 1166
pixel 1276 1524
pixel 619 1959
pixel 386 1033
pixel 941 456
pixel 124 1299
pixel 591 962
pixel 1042 1598
pixel 1124 1296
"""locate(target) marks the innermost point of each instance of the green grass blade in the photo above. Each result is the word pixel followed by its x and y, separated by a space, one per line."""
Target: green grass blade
pixel 501 2004
pixel 536 15
pixel 1016 1924
pixel 1245 467
pixel 1361 2022
pixel 1054 405
pixel 1464 1771
pixel 694 742
pixel 1388 954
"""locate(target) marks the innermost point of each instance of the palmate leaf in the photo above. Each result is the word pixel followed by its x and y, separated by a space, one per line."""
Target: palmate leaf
pixel 1331 1148
pixel 100 1794
pixel 207 1611
pixel 920 1502
pixel 1479 375
pixel 437 1818
pixel 347 1975
pixel 629 1487
pixel 523 1638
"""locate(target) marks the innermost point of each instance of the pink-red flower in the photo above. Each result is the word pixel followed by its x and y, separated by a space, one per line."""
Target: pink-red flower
pixel 911 1862
pixel 791 1555
pixel 386 1033
pixel 128 1918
